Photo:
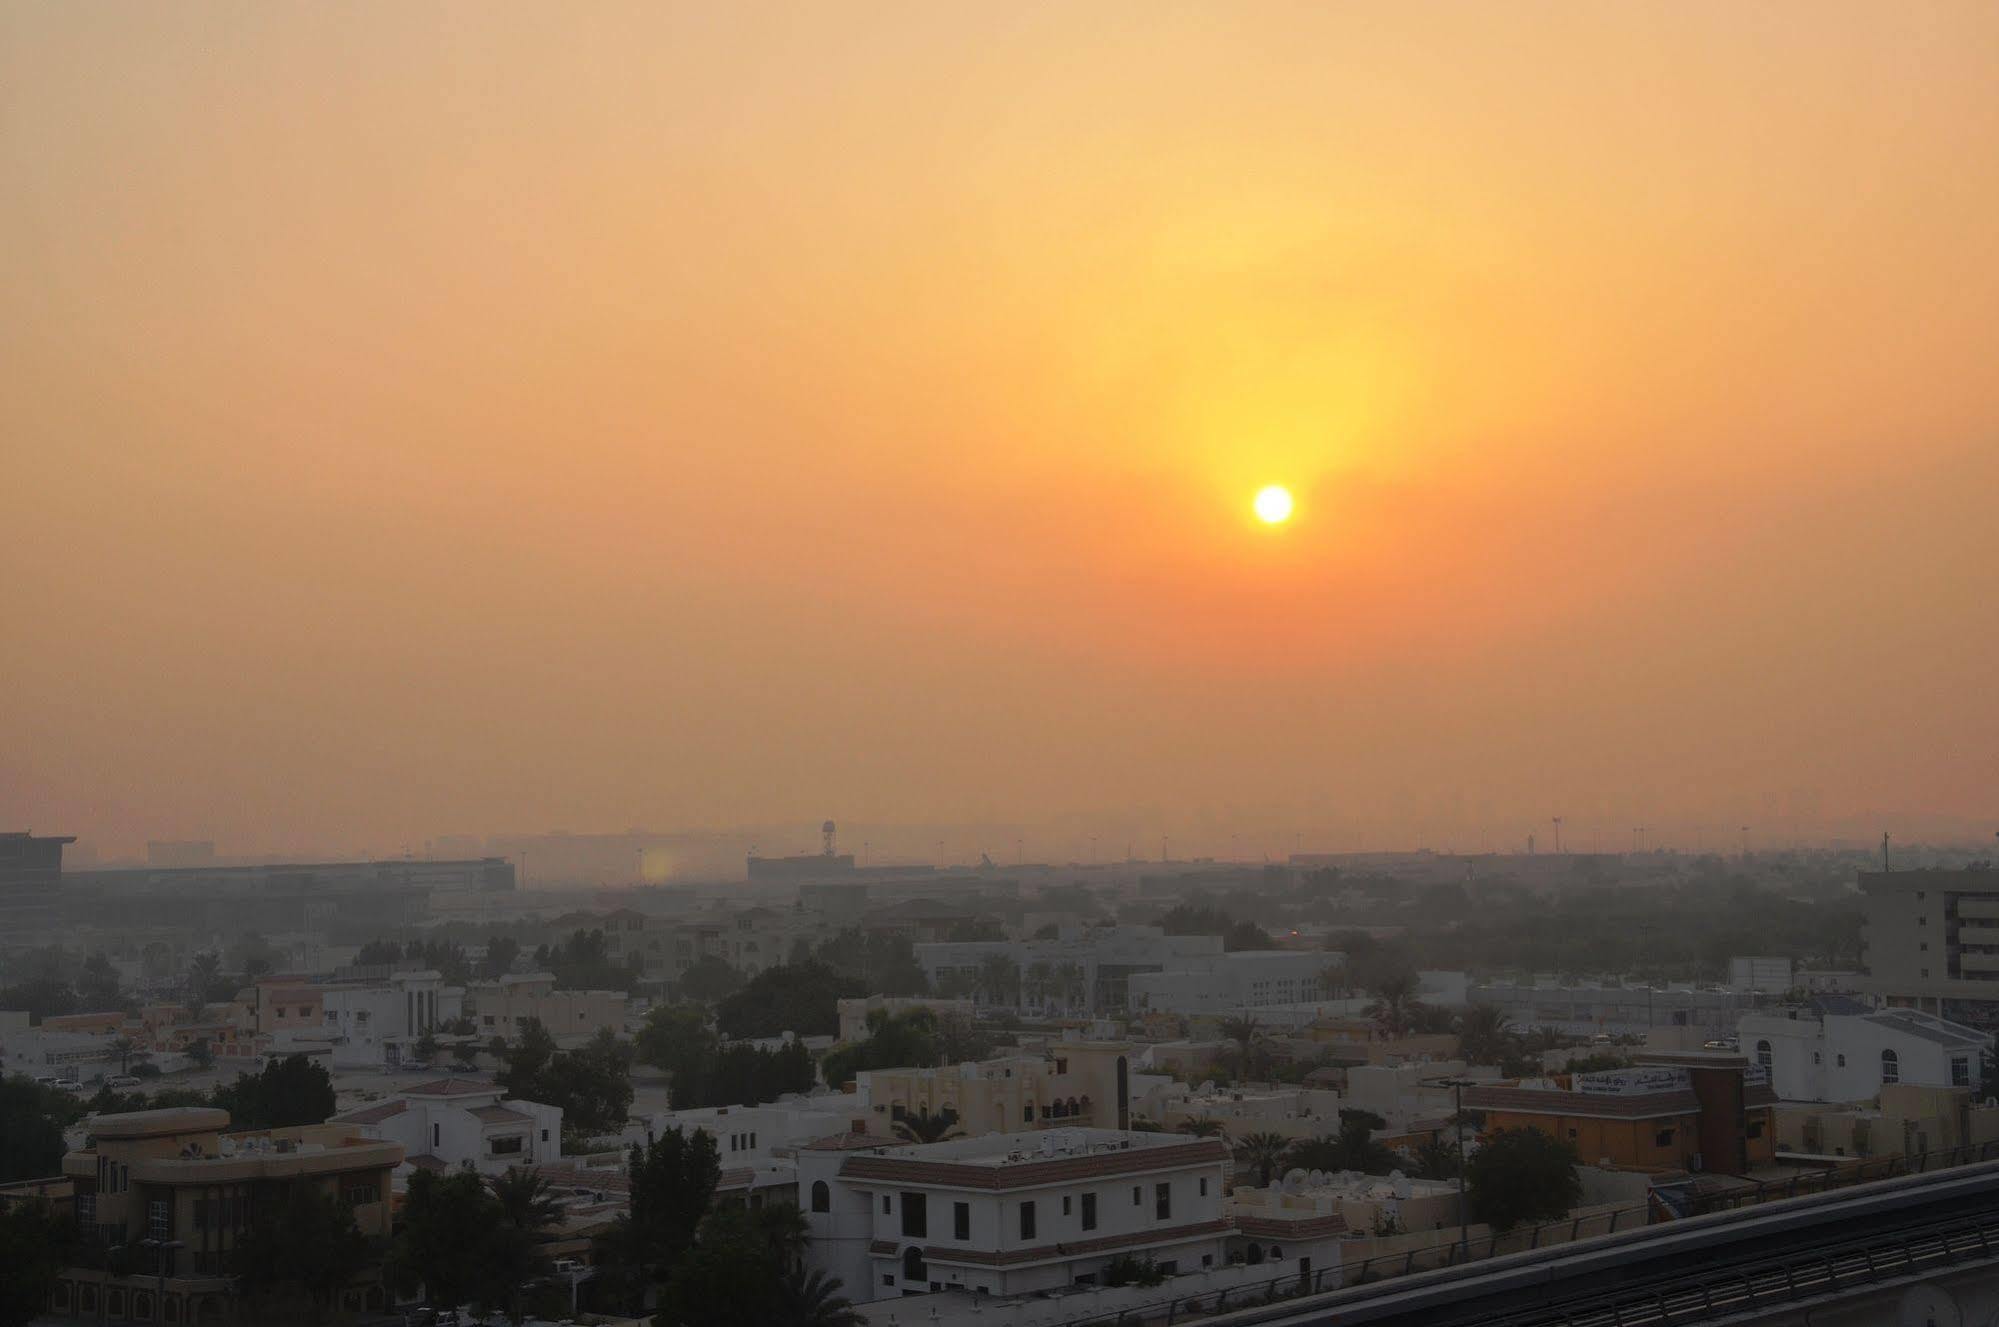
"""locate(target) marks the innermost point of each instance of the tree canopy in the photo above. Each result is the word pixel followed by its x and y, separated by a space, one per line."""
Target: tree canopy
pixel 290 1091
pixel 792 997
pixel 1522 1175
pixel 593 1085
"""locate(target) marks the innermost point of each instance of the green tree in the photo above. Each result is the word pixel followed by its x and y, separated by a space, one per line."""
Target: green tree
pixel 201 1054
pixel 1394 999
pixel 673 1185
pixel 41 997
pixel 1522 1175
pixel 999 979
pixel 501 951
pixel 1438 1159
pixel 1243 1031
pixel 32 1119
pixel 525 1199
pixel 923 1127
pixel 592 1085
pixel 975 930
pixel 709 979
pixel 794 997
pixel 444 1247
pixel 36 1246
pixel 301 1250
pixel 1484 1034
pixel 813 1299
pixel 1202 1128
pixel 98 987
pixel 1263 1151
pixel 290 1091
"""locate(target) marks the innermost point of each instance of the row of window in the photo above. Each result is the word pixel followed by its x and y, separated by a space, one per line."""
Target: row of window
pixel 1891 1064
pixel 743 1142
pixel 916 1209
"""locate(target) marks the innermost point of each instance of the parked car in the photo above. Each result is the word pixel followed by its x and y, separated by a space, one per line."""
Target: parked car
pixel 121 1080
pixel 69 1085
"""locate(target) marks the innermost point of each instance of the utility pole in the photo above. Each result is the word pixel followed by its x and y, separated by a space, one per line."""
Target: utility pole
pixel 1558 836
pixel 1458 1086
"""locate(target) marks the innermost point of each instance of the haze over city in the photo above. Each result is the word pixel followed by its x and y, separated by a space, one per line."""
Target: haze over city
pixel 429 420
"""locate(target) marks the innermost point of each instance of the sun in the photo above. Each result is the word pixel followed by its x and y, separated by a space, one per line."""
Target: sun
pixel 1273 505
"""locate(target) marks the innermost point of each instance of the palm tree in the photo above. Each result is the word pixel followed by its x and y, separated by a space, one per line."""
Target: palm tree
pixel 923 1127
pixel 1484 1034
pixel 526 1201
pixel 1069 981
pixel 999 977
pixel 1035 986
pixel 786 1230
pixel 812 1299
pixel 1393 997
pixel 1264 1151
pixel 1139 1124
pixel 201 974
pixel 1203 1128
pixel 1242 1030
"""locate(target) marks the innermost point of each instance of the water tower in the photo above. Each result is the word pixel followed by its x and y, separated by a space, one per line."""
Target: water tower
pixel 826 839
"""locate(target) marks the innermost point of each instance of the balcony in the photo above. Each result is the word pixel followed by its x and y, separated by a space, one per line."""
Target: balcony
pixel 1979 962
pixel 1978 907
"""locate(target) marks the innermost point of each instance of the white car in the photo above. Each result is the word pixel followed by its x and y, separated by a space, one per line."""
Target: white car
pixel 69 1085
pixel 121 1080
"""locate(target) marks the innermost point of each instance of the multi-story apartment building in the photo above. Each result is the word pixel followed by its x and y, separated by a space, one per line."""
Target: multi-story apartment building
pixel 1089 966
pixel 456 1123
pixel 1932 942
pixel 500 1008
pixel 30 884
pixel 178 1191
pixel 1010 1216
pixel 1072 1083
pixel 1835 1048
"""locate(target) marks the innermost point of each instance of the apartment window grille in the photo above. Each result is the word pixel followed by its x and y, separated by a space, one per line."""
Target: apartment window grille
pixel 961 1220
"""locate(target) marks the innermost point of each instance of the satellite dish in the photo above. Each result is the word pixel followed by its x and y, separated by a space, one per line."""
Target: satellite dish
pixel 1295 1175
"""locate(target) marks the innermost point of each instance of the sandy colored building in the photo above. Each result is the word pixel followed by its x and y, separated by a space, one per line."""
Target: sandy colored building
pixel 500 1008
pixel 1075 1083
pixel 1715 1113
pixel 179 1179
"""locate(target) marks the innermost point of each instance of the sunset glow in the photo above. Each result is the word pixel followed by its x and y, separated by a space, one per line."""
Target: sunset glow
pixel 431 415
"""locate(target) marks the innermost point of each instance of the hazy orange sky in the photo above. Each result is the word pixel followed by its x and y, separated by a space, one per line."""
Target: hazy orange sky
pixel 448 419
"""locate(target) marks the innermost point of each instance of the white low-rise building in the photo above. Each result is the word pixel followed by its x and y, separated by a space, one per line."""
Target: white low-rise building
pixel 755 1135
pixel 1835 1048
pixel 458 1123
pixel 375 1024
pixel 1009 1215
pixel 1223 983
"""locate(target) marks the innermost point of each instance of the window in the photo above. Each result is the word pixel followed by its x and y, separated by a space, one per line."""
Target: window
pixel 1891 1067
pixel 916 1215
pixel 1924 946
pixel 1763 1055
pixel 355 1194
pixel 885 1206
pixel 1162 1201
pixel 888 1278
pixel 156 1218
pixel 1840 1060
pixel 753 1140
pixel 1960 1071
pixel 86 1209
pixel 1027 1112
pixel 822 1197
pixel 1027 1220
pixel 1755 1129
pixel 1089 1211
pixel 1061 1065
pixel 1817 1058
pixel 1664 1138
pixel 436 1135
pixel 1135 1199
pixel 1204 1186
pixel 506 1147
pixel 1207 1260
pixel 912 1265
pixel 544 1135
pixel 961 1220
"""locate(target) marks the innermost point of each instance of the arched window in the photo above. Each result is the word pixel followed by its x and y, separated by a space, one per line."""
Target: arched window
pixel 912 1264
pixel 1891 1067
pixel 822 1198
pixel 1763 1053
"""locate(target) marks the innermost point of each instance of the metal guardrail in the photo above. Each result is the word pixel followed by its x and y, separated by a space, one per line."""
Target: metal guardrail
pixel 1553 1234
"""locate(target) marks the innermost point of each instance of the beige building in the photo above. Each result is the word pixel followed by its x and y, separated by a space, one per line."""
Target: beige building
pixel 1906 1119
pixel 1932 940
pixel 500 1008
pixel 1074 1084
pixel 178 1192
